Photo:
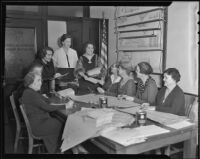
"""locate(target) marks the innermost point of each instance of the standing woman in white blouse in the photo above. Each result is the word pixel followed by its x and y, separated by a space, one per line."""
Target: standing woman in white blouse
pixel 65 57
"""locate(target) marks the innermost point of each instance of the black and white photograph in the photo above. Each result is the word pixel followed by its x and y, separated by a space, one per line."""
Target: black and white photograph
pixel 101 79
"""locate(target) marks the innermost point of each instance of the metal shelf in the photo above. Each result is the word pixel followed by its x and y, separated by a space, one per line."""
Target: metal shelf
pixel 133 14
pixel 149 29
pixel 140 50
pixel 149 21
pixel 136 37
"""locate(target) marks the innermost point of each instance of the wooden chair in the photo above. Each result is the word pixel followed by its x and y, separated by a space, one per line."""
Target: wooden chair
pixel 20 126
pixel 34 141
pixel 191 111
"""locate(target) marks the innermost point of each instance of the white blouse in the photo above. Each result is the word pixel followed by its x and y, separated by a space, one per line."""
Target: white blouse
pixel 60 58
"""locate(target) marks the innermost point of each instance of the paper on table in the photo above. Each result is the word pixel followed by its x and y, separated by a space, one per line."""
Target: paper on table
pixel 102 116
pixel 129 136
pixel 112 101
pixel 131 110
pixel 66 92
pixel 164 118
pixel 78 129
pixel 180 125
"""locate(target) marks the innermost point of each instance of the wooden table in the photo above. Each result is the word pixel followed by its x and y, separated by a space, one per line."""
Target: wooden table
pixel 154 142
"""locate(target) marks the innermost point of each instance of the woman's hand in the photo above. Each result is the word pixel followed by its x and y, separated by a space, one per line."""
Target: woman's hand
pixel 69 105
pixel 145 105
pixel 100 90
pixel 128 98
pixel 57 75
pixel 101 82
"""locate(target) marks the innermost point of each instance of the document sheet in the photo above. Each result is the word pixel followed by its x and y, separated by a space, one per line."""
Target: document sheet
pixel 128 136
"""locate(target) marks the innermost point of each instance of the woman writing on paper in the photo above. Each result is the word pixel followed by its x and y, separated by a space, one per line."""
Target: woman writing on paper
pixel 111 84
pixel 90 70
pixel 37 109
pixel 170 98
pixel 146 87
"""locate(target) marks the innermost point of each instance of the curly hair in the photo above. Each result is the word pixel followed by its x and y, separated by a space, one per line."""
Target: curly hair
pixel 42 53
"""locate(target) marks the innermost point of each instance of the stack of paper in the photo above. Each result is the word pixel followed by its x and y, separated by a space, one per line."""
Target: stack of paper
pixel 102 116
pixel 66 92
pixel 164 118
pixel 129 136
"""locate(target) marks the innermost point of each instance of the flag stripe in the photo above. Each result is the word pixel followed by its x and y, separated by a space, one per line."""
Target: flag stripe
pixel 104 46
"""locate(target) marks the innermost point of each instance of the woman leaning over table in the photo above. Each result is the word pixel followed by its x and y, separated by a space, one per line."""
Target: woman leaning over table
pixel 37 108
pixel 111 81
pixel 146 87
pixel 170 98
pixel 127 85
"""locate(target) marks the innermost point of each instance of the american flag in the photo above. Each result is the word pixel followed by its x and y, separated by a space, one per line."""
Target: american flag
pixel 104 50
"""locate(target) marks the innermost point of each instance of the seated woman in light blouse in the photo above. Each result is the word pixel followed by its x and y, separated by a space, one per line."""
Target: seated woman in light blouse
pixel 127 85
pixel 111 84
pixel 170 98
pixel 146 87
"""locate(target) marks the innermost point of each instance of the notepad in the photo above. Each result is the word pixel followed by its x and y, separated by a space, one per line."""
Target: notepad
pixel 180 125
pixel 128 136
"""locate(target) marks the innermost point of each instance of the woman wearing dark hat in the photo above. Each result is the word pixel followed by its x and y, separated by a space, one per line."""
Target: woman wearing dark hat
pixel 146 87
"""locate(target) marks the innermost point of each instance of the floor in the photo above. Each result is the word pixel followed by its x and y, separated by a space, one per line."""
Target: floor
pixel 22 147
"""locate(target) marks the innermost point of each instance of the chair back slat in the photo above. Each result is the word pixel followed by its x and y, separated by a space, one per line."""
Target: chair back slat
pixel 14 108
pixel 26 121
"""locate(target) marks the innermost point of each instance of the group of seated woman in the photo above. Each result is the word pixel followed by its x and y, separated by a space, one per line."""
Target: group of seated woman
pixel 94 78
pixel 142 88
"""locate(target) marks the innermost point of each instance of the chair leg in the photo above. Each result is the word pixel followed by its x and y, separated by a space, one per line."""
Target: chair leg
pixel 30 146
pixel 167 150
pixel 16 140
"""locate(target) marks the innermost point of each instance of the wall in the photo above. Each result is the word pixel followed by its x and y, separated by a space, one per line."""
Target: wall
pixel 97 12
pixel 182 47
pixel 182 39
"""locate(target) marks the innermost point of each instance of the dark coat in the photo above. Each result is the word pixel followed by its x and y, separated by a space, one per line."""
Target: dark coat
pixel 174 103
pixel 47 73
pixel 42 124
pixel 111 88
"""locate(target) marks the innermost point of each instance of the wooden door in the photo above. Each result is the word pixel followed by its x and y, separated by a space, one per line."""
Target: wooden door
pixel 74 28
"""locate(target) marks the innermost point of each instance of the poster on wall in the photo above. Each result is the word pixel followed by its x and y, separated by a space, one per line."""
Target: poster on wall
pixel 20 50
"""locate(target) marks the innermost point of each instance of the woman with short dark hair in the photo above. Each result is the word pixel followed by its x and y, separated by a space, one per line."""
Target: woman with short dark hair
pixel 170 98
pixel 127 85
pixel 37 109
pixel 146 87
pixel 48 72
pixel 89 70
pixel 65 57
